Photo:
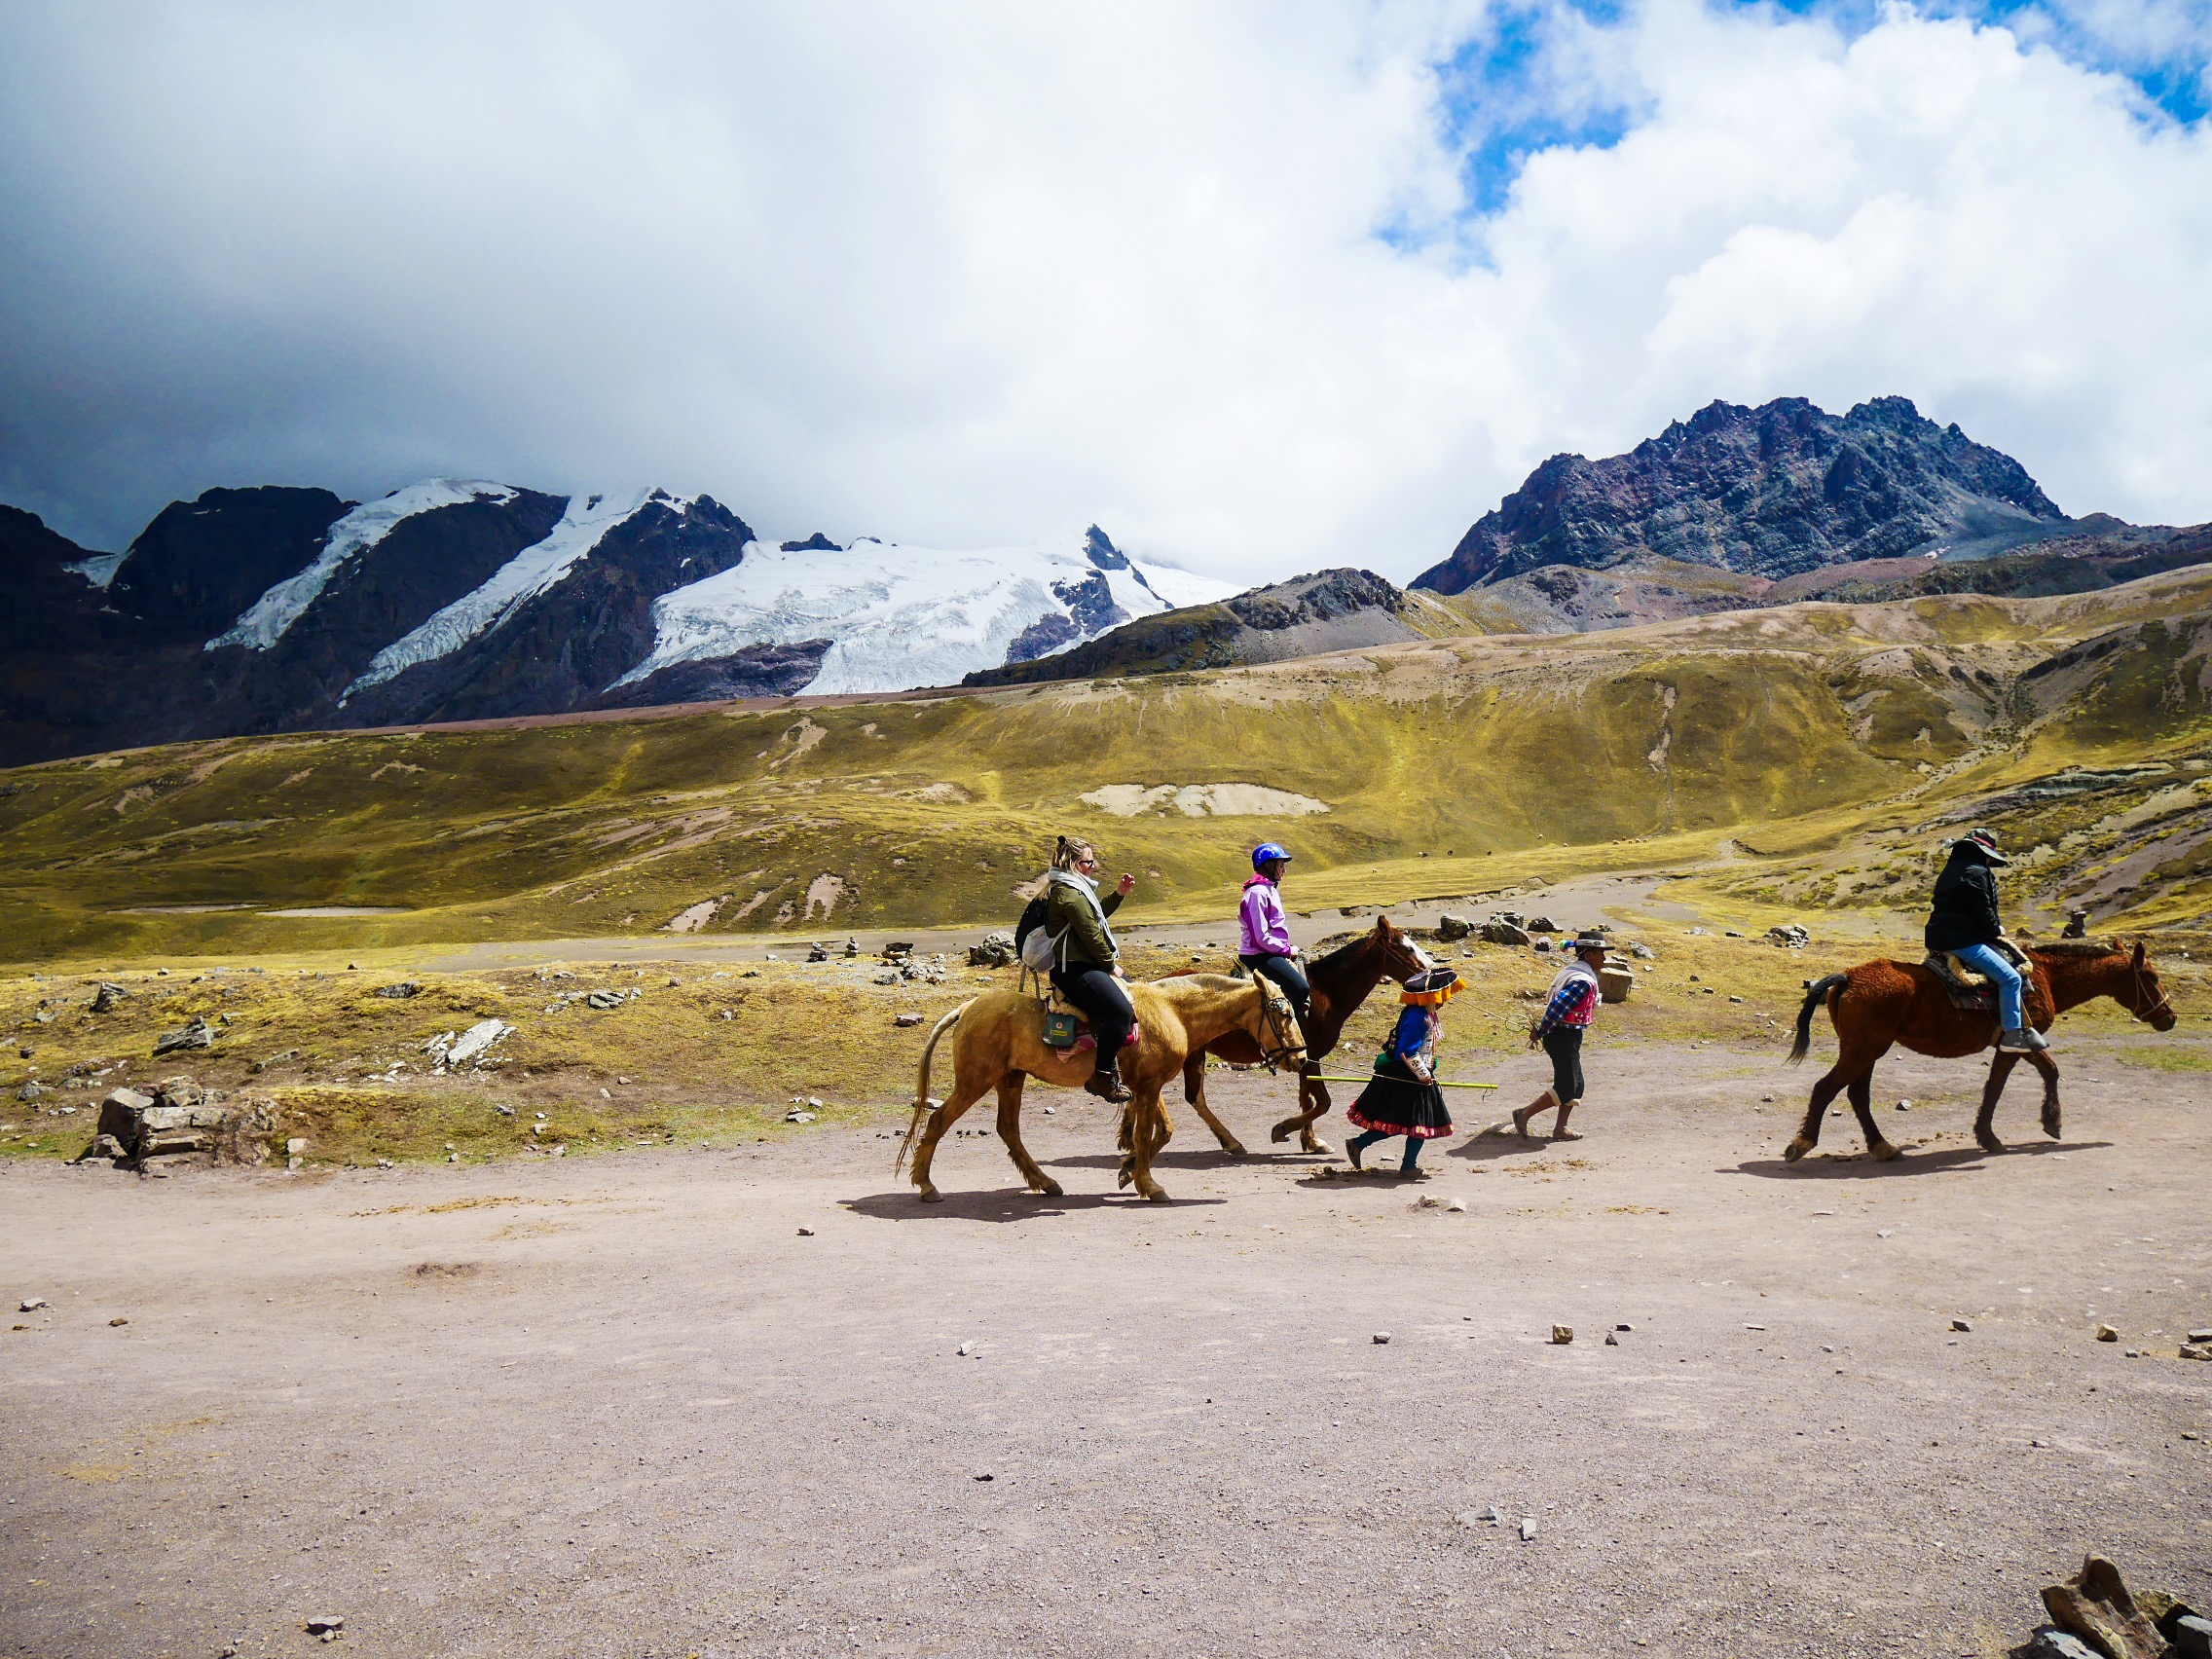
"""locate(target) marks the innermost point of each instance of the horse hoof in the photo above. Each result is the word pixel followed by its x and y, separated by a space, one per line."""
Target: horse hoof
pixel 1234 1149
pixel 930 1196
pixel 1795 1150
pixel 1882 1152
pixel 1314 1143
pixel 1989 1143
pixel 1051 1190
pixel 1282 1131
pixel 1156 1195
pixel 1124 1177
pixel 2051 1126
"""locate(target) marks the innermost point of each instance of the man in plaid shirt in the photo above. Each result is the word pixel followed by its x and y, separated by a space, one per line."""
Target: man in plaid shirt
pixel 1568 1013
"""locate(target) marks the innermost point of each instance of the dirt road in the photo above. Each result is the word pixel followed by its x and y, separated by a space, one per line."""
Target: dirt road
pixel 624 1405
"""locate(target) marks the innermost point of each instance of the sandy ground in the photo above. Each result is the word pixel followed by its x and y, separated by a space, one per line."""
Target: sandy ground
pixel 625 1406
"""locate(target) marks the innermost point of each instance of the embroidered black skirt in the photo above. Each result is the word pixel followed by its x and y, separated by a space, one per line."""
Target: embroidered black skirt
pixel 1396 1104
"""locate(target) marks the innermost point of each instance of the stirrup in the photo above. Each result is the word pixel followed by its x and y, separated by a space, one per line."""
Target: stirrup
pixel 1107 1087
pixel 2027 1040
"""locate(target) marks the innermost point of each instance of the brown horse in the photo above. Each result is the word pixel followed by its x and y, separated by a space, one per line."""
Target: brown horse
pixel 1340 982
pixel 999 1043
pixel 1877 1004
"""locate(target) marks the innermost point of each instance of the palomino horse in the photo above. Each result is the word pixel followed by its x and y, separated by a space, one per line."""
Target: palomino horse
pixel 1877 1004
pixel 1341 980
pixel 999 1041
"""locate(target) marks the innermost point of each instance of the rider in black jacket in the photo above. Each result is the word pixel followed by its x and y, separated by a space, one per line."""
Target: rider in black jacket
pixel 1965 922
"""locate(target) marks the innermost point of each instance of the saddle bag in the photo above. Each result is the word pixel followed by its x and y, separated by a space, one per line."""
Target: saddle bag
pixel 1060 1031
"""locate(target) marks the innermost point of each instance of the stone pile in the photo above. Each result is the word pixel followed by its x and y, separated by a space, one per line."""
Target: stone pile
pixel 180 1117
pixel 996 951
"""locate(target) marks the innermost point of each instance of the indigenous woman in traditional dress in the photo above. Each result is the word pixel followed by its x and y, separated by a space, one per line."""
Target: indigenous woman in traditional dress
pixel 1403 1099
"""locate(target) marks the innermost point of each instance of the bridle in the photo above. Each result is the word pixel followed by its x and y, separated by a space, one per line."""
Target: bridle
pixel 2163 1004
pixel 1273 1019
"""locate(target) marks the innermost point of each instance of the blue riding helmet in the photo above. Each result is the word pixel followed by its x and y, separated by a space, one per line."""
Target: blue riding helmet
pixel 1266 854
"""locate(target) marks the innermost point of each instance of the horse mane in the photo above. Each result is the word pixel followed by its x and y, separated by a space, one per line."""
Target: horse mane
pixel 2079 947
pixel 1366 936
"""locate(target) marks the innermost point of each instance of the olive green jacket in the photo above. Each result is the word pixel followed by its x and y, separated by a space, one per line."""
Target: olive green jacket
pixel 1070 918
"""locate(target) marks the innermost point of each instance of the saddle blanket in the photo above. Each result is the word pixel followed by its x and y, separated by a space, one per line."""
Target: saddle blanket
pixel 1967 989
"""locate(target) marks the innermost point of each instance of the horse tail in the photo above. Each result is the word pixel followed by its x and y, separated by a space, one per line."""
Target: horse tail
pixel 922 1089
pixel 1815 994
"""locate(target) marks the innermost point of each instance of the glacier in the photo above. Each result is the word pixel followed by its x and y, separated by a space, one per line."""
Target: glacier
pixel 899 616
pixel 265 621
pixel 513 586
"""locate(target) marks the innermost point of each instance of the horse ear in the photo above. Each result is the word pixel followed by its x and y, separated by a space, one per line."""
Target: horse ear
pixel 2138 953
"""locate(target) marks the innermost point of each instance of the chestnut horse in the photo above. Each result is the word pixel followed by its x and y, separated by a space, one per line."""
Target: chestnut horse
pixel 1340 982
pixel 1877 1004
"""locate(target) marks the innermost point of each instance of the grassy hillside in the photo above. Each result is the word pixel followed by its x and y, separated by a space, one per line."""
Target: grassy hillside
pixel 1822 747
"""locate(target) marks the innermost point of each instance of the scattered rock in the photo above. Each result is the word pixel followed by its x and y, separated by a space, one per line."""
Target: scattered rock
pixel 2196 1351
pixel 2095 1606
pixel 1735 999
pixel 1456 1206
pixel 297 1145
pixel 2190 1635
pixel 986 1476
pixel 1624 1325
pixel 604 999
pixel 798 1115
pixel 1561 1334
pixel 888 976
pixel 118 1320
pixel 400 993
pixel 2106 1334
pixel 1499 930
pixel 806 1233
pixel 1612 1340
pixel 1451 927
pixel 965 1350
pixel 1641 952
pixel 325 1624
pixel 31 1305
pixel 996 951
pixel 1960 1325
pixel 197 1034
pixel 103 1146
pixel 476 1041
pixel 1790 935
pixel 907 1019
pixel 1468 1517
pixel 2202 1336
pixel 2057 1645
pixel 1381 1339
pixel 1905 1105
pixel 33 1090
pixel 1527 1529
pixel 107 996
pixel 1543 924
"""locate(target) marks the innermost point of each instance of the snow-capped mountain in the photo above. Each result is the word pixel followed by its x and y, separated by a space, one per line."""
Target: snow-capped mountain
pixel 883 616
pixel 273 610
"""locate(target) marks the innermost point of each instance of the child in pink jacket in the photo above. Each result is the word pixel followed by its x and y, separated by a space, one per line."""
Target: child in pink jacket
pixel 1265 946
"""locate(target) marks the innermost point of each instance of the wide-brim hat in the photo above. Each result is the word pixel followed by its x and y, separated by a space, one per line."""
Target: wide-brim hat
pixel 1984 841
pixel 1433 987
pixel 1589 941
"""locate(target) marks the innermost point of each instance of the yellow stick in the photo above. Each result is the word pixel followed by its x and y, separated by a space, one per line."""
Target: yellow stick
pixel 1325 1077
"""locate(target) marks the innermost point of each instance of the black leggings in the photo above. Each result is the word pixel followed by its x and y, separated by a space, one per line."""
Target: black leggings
pixel 1284 973
pixel 1095 990
pixel 1564 1043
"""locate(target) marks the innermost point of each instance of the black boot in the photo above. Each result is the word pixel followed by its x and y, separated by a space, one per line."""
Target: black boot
pixel 1106 1083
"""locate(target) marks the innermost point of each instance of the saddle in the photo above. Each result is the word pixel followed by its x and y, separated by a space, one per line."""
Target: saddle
pixel 1067 1028
pixel 1968 987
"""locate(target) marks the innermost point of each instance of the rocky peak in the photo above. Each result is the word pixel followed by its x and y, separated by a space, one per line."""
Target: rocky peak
pixel 1770 492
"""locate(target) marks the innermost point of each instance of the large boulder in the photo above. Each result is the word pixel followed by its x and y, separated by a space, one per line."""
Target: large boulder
pixel 1499 930
pixel 1790 935
pixel 1449 926
pixel 180 1116
pixel 996 951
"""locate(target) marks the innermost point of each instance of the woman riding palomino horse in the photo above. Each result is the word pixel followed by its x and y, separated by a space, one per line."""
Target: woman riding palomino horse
pixel 1878 1004
pixel 999 1041
pixel 1263 943
pixel 1085 967
pixel 1965 922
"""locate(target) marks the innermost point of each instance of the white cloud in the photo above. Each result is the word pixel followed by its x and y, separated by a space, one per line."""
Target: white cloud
pixel 973 275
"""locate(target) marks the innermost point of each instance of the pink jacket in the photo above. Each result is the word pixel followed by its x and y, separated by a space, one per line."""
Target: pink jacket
pixel 1266 928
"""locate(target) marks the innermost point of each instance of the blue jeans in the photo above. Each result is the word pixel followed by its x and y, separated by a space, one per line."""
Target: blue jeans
pixel 2010 997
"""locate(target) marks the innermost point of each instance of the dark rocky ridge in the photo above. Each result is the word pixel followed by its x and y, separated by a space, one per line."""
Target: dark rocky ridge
pixel 1326 612
pixel 88 671
pixel 1768 491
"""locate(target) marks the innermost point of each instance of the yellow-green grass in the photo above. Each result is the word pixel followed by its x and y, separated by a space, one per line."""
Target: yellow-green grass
pixel 1782 764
